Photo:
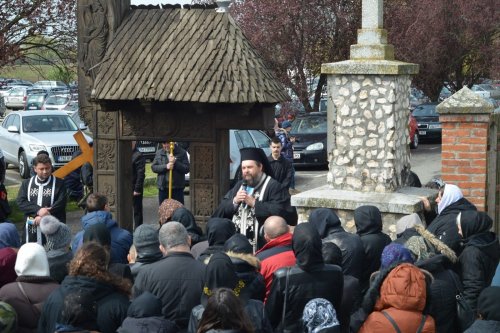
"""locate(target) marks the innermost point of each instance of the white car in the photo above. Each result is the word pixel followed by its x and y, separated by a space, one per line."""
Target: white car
pixel 24 133
pixel 15 98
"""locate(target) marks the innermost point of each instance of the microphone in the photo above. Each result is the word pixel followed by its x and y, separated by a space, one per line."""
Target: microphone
pixel 244 185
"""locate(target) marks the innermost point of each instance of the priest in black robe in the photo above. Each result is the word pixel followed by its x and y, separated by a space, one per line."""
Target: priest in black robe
pixel 257 196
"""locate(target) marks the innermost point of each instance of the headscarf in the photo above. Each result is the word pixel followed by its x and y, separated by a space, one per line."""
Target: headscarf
pixel 473 222
pixel 9 237
pixel 395 253
pixel 406 222
pixel 220 273
pixel 167 209
pixel 32 261
pixel 219 230
pixel 488 305
pixel 146 305
pixel 306 245
pixel 238 243
pixel 323 219
pixel 186 218
pixel 368 220
pixel 451 194
pixel 319 314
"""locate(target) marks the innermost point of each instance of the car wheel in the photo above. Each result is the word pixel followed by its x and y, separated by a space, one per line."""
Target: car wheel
pixel 414 144
pixel 24 169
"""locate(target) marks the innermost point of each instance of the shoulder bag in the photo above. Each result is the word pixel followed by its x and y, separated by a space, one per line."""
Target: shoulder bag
pixel 465 315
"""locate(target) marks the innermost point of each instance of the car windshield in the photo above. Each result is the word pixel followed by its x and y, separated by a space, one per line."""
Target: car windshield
pixel 425 111
pixel 309 125
pixel 48 123
pixel 35 98
pixel 57 100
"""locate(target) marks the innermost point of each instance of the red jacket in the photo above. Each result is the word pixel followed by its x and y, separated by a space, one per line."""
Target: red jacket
pixel 7 262
pixel 275 254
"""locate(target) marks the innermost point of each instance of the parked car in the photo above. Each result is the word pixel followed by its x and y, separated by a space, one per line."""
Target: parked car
pixel 239 139
pixel 56 102
pixel 15 98
pixel 427 118
pixel 309 131
pixel 481 91
pixel 486 90
pixel 147 148
pixel 46 84
pixel 71 107
pixel 24 133
pixel 35 101
pixel 413 129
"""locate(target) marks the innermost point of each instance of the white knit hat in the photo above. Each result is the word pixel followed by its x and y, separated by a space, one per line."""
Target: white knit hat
pixel 57 233
pixel 32 260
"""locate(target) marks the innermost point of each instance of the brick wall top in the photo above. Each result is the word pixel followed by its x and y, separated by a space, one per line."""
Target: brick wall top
pixel 465 101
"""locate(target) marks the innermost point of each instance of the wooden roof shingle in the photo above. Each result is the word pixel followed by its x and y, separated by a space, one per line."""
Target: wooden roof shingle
pixel 184 55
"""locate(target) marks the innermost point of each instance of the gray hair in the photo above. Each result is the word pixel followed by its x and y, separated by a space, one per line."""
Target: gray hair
pixel 173 234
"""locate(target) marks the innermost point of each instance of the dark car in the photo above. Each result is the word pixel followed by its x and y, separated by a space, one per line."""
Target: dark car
pixel 35 101
pixel 309 131
pixel 427 118
pixel 147 148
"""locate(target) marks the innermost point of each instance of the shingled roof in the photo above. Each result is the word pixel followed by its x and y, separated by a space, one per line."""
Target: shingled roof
pixel 184 55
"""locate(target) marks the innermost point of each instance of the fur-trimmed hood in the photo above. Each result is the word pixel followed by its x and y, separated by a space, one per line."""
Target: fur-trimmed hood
pixel 248 258
pixel 438 245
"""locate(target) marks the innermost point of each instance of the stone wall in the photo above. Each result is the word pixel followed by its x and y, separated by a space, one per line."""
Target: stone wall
pixel 369 132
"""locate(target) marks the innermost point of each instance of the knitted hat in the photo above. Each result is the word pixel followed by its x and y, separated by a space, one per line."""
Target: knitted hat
pixel 8 318
pixel 32 260
pixel 395 252
pixel 146 239
pixel 238 243
pixel 58 234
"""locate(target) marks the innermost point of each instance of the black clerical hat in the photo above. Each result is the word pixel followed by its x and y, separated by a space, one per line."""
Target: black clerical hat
pixel 257 154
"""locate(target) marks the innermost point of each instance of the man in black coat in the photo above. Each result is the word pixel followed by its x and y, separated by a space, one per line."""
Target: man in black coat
pixel 256 197
pixel 177 279
pixel 138 176
pixel 178 162
pixel 282 167
pixel 330 230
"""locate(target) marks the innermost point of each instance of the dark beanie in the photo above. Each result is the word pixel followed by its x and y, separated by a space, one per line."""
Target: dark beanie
pixel 146 238
pixel 488 304
pixel 238 243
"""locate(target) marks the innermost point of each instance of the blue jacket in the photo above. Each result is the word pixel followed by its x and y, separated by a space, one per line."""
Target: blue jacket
pixel 121 239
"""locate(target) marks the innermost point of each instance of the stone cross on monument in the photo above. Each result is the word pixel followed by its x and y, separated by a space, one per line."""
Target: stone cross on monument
pixel 368 139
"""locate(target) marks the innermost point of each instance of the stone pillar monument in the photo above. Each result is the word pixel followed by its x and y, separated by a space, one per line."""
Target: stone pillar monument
pixel 368 139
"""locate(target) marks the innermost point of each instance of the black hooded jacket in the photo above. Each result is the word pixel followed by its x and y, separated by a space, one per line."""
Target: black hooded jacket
pixel 368 222
pixel 309 279
pixel 444 226
pixel 186 218
pixel 144 315
pixel 220 273
pixel 480 256
pixel 330 230
pixel 219 230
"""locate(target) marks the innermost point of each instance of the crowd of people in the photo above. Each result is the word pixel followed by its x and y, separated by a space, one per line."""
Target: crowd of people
pixel 252 270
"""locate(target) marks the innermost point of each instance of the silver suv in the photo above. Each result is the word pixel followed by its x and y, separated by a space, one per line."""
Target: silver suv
pixel 24 133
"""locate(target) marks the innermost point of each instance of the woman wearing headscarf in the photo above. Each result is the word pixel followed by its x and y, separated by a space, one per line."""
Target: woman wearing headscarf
pixel 247 266
pixel 397 297
pixel 220 273
pixel 330 230
pixel 167 209
pixel 186 218
pixel 368 222
pixel 219 230
pixel 31 288
pixel 480 256
pixel 488 310
pixel 88 273
pixel 9 244
pixel 293 287
pixel 450 202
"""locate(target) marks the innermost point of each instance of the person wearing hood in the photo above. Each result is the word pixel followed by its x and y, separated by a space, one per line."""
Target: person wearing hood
pixel 79 313
pixel 147 247
pixel 144 315
pixel 98 212
pixel 330 230
pixel 221 273
pixel 9 244
pixel 368 222
pixel 186 218
pixel 480 256
pixel 88 273
pixel 488 310
pixel 397 298
pixel 256 197
pixel 450 202
pixel 219 230
pixel 58 237
pixel 293 287
pixel 247 266
pixel 31 288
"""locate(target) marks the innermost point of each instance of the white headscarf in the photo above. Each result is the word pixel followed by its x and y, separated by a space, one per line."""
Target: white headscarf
pixel 451 194
pixel 32 260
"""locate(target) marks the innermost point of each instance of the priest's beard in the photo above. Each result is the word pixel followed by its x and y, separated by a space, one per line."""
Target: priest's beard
pixel 253 181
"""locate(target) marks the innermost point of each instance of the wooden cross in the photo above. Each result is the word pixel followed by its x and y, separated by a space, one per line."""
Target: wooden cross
pixel 87 155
